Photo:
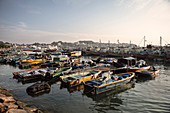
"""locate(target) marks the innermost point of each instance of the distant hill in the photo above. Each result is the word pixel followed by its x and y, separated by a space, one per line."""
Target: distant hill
pixel 4 45
pixel 86 42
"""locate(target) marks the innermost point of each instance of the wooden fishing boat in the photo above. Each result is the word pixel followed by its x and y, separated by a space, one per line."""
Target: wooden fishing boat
pixel 77 78
pixel 33 73
pixel 131 64
pixel 18 73
pixel 81 66
pixel 65 78
pixel 61 71
pixel 38 74
pixel 108 95
pixel 108 82
pixel 151 72
pixel 38 88
pixel 33 61
pixel 136 68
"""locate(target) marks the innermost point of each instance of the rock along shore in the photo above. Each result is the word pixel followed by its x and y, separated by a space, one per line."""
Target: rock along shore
pixel 8 104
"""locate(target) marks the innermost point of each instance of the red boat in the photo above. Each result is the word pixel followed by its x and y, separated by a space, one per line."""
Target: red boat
pixel 134 69
pixel 133 65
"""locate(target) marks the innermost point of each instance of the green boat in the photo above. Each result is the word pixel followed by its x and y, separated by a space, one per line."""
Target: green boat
pixel 61 71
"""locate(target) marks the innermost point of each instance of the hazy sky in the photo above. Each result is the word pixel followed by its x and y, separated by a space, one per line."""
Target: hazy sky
pixel 29 21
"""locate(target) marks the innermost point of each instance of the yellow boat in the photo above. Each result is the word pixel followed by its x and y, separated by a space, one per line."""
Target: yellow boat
pixel 78 78
pixel 33 61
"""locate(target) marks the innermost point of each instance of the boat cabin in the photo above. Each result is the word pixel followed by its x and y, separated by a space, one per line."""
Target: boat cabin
pixel 129 61
pixel 76 53
pixel 59 58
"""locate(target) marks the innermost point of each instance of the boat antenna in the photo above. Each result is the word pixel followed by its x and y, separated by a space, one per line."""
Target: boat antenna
pixel 109 44
pixel 100 43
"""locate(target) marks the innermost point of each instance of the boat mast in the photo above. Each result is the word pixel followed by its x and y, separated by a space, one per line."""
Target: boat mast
pixel 100 43
pixel 160 41
pixel 144 41
pixel 109 43
pixel 118 42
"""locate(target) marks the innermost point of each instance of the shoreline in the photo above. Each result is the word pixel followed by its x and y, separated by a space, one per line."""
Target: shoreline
pixel 9 104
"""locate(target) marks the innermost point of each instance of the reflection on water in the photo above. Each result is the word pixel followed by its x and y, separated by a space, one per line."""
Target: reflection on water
pixel 72 89
pixel 146 78
pixel 148 95
pixel 104 101
pixel 109 100
pixel 28 81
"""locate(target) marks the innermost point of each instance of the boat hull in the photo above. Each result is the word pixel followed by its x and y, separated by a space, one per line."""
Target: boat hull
pixel 147 73
pixel 107 87
pixel 138 69
pixel 80 79
pixel 62 71
pixel 32 61
pixel 109 94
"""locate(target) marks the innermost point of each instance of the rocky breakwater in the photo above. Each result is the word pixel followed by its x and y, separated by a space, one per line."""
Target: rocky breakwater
pixel 8 104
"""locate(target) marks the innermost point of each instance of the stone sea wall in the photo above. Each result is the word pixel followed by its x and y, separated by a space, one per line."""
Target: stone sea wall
pixel 8 104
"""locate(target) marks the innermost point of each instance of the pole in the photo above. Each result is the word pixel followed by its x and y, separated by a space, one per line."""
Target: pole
pixel 144 41
pixel 160 41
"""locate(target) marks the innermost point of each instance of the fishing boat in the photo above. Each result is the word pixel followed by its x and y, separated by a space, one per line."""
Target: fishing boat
pixel 61 71
pixel 38 88
pixel 131 64
pixel 108 60
pixel 111 94
pixel 18 73
pixel 151 72
pixel 81 66
pixel 140 66
pixel 33 73
pixel 77 78
pixel 108 82
pixel 135 68
pixel 33 61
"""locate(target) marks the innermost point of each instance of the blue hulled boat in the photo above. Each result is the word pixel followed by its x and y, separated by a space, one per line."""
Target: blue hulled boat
pixel 108 82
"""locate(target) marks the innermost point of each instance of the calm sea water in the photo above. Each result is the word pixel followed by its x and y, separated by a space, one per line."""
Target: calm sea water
pixel 149 95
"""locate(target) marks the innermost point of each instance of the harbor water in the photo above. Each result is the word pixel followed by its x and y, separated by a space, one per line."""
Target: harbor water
pixel 146 95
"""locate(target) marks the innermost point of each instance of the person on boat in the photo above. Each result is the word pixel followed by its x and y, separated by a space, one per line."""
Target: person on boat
pixel 48 75
pixel 139 65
